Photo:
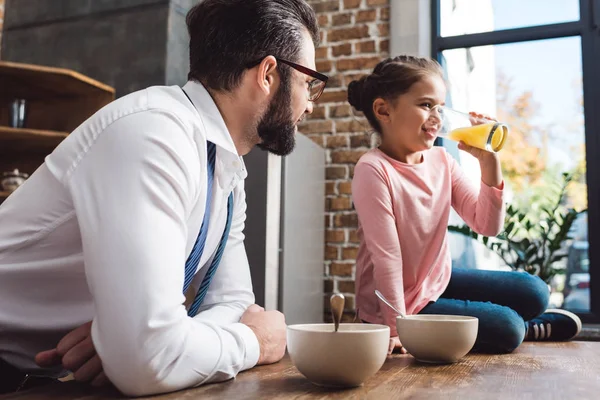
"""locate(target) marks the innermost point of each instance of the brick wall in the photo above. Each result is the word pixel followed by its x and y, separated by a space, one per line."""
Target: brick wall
pixel 355 37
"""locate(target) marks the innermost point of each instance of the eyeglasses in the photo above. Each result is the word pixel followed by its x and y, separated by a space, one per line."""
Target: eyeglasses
pixel 315 87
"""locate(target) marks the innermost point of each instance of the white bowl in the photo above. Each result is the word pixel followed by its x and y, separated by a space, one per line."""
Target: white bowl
pixel 345 358
pixel 437 338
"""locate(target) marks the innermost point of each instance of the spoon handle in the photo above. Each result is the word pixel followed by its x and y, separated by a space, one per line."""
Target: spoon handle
pixel 378 294
pixel 337 308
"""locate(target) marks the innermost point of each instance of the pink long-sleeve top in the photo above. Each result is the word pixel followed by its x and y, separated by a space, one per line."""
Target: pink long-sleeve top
pixel 403 211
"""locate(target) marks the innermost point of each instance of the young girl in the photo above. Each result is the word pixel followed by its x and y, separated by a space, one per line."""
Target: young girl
pixel 403 192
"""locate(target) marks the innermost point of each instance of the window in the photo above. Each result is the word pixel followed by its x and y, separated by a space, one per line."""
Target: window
pixel 531 64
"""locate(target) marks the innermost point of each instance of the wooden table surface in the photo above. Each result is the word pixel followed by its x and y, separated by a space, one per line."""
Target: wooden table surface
pixel 534 371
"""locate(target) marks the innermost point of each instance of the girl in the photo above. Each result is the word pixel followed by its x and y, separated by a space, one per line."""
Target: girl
pixel 403 192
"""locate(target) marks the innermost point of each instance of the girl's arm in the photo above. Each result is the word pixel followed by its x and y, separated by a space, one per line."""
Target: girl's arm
pixel 373 203
pixel 482 210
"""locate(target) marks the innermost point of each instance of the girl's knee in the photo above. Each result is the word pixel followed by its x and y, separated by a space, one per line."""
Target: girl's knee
pixel 503 334
pixel 539 296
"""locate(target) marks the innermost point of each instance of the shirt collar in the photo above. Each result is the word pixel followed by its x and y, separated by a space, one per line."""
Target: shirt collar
pixel 216 130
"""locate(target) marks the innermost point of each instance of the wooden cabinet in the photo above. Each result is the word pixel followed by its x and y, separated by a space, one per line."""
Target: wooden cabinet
pixel 58 100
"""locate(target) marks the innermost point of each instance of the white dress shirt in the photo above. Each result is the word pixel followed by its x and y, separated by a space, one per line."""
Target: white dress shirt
pixel 102 231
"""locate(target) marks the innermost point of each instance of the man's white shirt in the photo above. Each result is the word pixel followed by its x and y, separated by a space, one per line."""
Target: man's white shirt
pixel 102 231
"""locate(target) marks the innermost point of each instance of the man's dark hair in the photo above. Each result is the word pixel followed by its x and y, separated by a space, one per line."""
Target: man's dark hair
pixel 226 36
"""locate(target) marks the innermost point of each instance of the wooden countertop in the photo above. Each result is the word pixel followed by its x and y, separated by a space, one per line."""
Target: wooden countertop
pixel 536 370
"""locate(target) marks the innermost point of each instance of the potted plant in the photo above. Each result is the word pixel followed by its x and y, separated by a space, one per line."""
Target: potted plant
pixel 532 240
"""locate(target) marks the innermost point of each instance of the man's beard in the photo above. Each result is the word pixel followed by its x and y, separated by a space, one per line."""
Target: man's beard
pixel 276 128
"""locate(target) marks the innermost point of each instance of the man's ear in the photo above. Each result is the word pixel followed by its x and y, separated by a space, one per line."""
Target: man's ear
pixel 267 76
pixel 381 109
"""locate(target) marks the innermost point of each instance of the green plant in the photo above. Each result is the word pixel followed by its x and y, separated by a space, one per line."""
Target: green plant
pixel 532 240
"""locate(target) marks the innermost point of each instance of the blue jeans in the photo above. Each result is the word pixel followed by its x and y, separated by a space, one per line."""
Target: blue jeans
pixel 503 301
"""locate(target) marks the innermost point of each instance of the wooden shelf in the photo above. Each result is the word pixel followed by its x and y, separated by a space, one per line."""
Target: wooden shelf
pixel 36 140
pixel 56 98
pixel 38 82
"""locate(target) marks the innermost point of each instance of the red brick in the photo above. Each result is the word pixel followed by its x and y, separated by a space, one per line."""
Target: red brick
pixel 323 20
pixel 329 5
pixel 353 236
pixel 348 315
pixel 321 53
pixel 308 127
pixel 335 236
pixel 329 186
pixel 334 81
pixel 345 187
pixel 366 16
pixel 349 253
pixel 346 286
pixel 339 269
pixel 345 220
pixel 351 126
pixel 328 286
pixel 336 142
pixel 384 14
pixel 378 2
pixel 346 156
pixel 341 34
pixel 341 19
pixel 331 253
pixel 318 113
pixel 348 4
pixel 333 96
pixel 357 63
pixel 352 77
pixel 328 219
pixel 341 50
pixel 340 204
pixel 336 172
pixel 324 66
pixel 384 46
pixel 384 29
pixel 351 171
pixel 360 141
pixel 365 47
pixel 340 111
pixel 318 139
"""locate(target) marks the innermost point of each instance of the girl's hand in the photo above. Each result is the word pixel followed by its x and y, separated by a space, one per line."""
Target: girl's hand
pixel 395 346
pixel 482 155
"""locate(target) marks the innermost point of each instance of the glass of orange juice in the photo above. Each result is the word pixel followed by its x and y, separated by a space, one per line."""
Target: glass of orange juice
pixel 482 133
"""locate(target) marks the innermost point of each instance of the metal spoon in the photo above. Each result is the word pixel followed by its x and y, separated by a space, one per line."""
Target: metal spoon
pixel 378 294
pixel 337 308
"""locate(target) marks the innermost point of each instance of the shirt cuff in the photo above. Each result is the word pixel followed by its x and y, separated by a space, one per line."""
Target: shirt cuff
pixel 250 343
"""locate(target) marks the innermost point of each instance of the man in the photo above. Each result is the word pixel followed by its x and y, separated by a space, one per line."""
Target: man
pixel 145 201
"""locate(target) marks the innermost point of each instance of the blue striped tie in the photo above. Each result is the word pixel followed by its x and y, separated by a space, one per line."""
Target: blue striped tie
pixel 191 265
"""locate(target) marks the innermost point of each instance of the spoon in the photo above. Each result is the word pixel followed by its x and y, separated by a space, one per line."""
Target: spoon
pixel 337 308
pixel 378 294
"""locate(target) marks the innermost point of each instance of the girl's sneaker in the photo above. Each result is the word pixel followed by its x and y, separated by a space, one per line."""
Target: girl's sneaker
pixel 553 325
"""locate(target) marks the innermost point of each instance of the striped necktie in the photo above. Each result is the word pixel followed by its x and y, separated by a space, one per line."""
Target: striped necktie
pixel 191 265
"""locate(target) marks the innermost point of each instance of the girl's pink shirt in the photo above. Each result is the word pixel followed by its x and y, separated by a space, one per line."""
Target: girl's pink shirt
pixel 403 212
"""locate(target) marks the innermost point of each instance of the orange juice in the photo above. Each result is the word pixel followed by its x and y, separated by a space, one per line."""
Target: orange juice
pixel 490 136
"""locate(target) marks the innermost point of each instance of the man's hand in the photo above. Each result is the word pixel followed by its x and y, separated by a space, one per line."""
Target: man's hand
pixel 76 353
pixel 270 329
pixel 395 346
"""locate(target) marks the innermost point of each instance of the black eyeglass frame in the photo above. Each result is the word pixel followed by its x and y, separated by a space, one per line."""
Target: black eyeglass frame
pixel 301 68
